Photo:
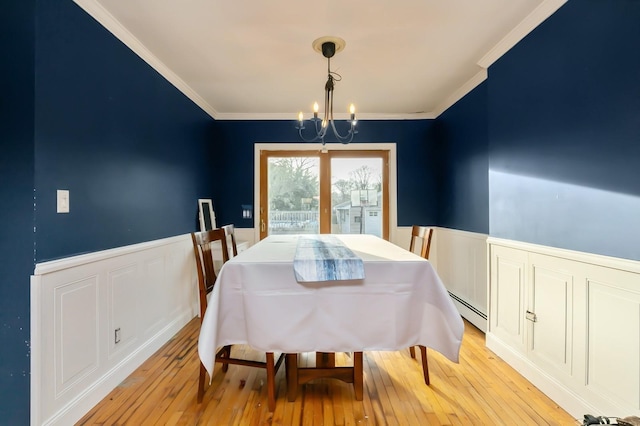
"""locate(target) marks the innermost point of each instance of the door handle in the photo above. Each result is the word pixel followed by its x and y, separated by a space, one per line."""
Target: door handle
pixel 262 227
pixel 531 316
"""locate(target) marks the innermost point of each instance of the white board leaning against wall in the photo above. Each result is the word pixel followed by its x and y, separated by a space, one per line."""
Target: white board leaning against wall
pixel 206 215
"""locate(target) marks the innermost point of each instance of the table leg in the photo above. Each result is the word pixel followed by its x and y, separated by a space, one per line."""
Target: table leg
pixel 325 359
pixel 271 382
pixel 358 379
pixel 292 376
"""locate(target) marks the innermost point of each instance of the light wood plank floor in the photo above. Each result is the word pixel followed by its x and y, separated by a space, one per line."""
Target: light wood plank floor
pixel 480 390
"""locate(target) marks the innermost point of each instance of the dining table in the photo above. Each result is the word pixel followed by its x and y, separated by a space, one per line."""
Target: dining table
pixel 329 294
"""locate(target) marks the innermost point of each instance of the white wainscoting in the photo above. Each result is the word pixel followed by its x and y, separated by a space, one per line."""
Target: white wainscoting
pixel 570 323
pixel 460 258
pixel 148 291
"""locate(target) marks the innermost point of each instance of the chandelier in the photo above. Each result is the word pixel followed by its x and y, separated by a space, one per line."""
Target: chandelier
pixel 328 46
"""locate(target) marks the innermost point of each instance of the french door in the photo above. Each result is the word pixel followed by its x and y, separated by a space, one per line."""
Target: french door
pixel 311 192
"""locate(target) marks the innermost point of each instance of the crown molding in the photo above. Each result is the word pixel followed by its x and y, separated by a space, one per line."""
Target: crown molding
pixel 104 18
pixel 338 117
pixel 535 18
pixel 467 87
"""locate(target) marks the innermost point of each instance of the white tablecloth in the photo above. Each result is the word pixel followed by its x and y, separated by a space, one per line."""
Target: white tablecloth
pixel 400 303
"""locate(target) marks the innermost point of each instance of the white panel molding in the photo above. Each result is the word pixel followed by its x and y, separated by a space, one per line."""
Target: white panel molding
pixel 535 18
pixel 592 365
pixel 148 290
pixel 507 284
pixel 77 329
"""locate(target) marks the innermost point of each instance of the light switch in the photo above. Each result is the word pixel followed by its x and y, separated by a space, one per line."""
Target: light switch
pixel 63 201
pixel 247 211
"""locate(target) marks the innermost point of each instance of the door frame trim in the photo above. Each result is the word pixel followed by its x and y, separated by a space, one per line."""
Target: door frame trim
pixel 315 147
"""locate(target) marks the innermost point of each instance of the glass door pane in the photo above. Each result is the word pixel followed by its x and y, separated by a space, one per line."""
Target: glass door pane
pixel 293 195
pixel 356 196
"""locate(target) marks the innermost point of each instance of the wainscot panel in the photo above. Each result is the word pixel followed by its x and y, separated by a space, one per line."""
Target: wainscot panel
pixel 96 317
pixel 570 323
pixel 460 257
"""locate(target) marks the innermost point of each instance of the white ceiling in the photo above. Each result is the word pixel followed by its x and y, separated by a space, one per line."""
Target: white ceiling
pixel 248 59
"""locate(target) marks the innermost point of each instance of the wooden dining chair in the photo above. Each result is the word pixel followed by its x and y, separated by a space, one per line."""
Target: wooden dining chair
pixel 230 232
pixel 203 245
pixel 422 235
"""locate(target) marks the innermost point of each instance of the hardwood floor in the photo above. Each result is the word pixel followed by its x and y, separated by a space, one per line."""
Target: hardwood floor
pixel 480 390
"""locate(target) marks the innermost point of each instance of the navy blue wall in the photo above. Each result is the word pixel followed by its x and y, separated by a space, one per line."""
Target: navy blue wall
pixel 133 151
pixel 564 132
pixel 558 123
pixel 17 35
pixel 82 112
pixel 416 152
pixel 463 164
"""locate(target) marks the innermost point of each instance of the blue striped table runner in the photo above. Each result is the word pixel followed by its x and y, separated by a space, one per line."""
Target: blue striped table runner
pixel 325 258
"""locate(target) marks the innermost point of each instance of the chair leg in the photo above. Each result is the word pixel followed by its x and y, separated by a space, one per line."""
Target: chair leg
pixel 201 379
pixel 412 351
pixel 425 366
pixel 271 382
pixel 226 354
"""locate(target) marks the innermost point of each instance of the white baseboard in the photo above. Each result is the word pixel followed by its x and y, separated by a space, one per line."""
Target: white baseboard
pixel 86 400
pixel 559 393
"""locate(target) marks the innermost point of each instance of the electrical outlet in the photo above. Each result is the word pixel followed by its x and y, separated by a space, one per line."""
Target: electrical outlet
pixel 117 335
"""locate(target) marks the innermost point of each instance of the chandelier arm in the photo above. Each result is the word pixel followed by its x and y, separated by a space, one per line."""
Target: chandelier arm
pixel 346 138
pixel 318 136
pixel 313 139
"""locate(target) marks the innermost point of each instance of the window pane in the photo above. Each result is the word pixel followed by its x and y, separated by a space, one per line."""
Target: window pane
pixel 293 190
pixel 356 196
